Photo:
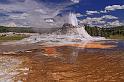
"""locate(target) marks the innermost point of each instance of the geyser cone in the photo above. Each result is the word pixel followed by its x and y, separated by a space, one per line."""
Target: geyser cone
pixel 69 33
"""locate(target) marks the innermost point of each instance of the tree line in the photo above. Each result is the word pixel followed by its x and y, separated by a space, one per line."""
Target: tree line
pixel 4 29
pixel 105 32
pixel 93 31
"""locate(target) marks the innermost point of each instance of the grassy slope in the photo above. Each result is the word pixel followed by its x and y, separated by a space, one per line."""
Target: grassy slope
pixel 13 37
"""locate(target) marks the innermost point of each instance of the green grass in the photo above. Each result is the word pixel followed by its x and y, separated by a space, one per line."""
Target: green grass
pixel 12 37
pixel 120 37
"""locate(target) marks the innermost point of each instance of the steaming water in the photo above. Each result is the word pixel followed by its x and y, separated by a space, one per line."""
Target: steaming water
pixel 70 37
pixel 73 19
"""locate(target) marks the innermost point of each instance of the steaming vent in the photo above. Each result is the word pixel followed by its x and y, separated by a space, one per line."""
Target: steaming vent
pixel 69 33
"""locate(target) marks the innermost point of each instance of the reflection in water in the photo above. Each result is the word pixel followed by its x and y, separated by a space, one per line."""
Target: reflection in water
pixel 75 52
pixel 58 52
pixel 73 55
pixel 63 64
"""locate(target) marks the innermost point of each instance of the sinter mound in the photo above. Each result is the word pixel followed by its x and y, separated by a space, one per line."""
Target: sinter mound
pixel 67 29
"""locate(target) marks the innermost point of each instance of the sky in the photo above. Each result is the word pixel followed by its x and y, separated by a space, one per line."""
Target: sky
pixel 53 13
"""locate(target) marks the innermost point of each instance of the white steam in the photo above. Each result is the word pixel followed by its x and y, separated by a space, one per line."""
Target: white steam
pixel 36 12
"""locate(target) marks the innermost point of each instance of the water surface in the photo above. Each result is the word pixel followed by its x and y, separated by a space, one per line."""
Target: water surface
pixel 101 61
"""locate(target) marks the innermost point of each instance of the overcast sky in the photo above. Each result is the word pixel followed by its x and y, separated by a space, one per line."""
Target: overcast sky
pixel 50 13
